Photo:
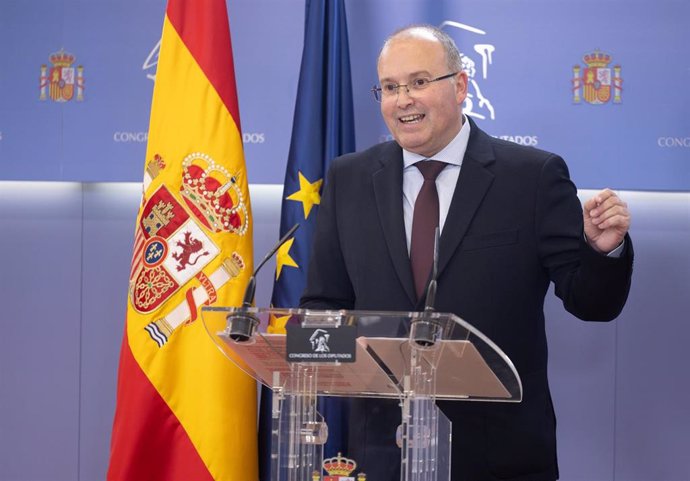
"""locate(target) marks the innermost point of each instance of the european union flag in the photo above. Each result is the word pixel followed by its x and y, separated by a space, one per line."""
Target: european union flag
pixel 323 128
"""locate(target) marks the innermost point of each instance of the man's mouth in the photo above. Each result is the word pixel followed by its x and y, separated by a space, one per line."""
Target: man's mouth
pixel 411 119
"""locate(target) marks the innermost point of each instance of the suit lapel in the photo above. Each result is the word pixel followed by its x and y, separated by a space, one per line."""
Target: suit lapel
pixel 387 183
pixel 473 183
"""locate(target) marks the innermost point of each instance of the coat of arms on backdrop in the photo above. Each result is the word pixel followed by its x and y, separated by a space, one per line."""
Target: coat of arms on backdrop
pixel 62 82
pixel 597 83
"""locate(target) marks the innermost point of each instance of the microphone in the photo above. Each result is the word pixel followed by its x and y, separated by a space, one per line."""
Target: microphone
pixel 425 332
pixel 241 324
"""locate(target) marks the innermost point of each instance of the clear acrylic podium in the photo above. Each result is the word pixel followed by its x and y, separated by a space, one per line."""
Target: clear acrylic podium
pixel 414 357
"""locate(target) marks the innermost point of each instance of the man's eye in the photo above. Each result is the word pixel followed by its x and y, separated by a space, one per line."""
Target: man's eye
pixel 389 88
pixel 420 83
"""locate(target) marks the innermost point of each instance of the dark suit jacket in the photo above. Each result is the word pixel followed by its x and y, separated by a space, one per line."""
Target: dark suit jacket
pixel 514 225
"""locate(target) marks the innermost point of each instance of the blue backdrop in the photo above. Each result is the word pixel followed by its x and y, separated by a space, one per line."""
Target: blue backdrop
pixel 621 389
pixel 522 56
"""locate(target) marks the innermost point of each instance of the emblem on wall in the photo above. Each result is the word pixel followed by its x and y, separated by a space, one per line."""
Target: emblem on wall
pixel 61 81
pixel 597 83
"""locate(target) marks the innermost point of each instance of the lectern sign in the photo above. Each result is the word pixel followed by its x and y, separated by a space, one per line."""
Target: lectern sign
pixel 320 344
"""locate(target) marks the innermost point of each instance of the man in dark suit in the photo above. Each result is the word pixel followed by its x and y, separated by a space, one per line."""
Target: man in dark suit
pixel 510 222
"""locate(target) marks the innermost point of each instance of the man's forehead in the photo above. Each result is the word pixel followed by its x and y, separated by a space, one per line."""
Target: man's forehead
pixel 402 55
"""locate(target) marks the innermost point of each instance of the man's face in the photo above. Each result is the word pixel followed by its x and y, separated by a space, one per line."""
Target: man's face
pixel 423 121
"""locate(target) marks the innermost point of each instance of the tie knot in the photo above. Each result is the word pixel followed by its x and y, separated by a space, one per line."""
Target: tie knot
pixel 430 168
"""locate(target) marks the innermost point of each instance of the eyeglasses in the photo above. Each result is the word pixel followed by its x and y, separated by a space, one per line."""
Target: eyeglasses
pixel 389 90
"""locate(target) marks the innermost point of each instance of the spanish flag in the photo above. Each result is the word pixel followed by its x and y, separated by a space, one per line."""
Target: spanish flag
pixel 184 412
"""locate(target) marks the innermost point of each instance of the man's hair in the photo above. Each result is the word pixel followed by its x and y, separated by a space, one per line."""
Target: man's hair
pixel 453 56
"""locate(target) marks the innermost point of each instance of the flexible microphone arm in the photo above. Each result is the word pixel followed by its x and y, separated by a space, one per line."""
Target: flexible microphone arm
pixel 250 291
pixel 241 323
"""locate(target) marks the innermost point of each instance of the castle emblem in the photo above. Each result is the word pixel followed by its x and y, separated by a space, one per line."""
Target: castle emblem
pixel 62 81
pixel 598 82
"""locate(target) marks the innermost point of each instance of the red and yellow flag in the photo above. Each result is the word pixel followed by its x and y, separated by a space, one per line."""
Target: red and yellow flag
pixel 184 412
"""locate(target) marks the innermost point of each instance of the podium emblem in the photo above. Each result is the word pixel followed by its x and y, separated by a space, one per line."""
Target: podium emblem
pixel 340 468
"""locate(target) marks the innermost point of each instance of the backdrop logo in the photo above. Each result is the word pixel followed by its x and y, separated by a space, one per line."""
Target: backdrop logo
pixel 151 62
pixel 62 80
pixel 477 104
pixel 597 84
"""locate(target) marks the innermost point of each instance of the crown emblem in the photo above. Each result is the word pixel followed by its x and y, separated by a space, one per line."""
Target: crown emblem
pixel 234 265
pixel 597 59
pixel 339 465
pixel 155 165
pixel 213 194
pixel 61 58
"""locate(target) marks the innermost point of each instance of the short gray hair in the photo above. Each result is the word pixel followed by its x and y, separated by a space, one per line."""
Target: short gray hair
pixel 453 55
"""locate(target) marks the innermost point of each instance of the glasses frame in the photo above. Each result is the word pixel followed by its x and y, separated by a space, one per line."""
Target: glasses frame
pixel 378 91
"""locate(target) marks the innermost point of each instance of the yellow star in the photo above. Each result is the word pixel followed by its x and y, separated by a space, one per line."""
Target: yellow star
pixel 283 257
pixel 276 324
pixel 308 194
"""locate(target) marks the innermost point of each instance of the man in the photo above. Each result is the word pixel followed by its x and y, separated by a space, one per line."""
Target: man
pixel 510 224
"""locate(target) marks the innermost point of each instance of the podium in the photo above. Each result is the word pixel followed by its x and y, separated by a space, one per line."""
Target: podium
pixel 413 357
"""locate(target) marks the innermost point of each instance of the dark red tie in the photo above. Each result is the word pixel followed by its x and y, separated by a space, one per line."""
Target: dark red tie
pixel 424 222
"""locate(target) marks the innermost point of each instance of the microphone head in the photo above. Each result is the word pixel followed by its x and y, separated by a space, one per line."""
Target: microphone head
pixel 425 333
pixel 241 326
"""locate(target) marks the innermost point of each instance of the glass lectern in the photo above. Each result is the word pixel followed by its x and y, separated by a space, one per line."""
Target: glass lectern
pixel 414 357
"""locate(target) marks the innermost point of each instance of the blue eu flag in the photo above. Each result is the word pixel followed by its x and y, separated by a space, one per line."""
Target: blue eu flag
pixel 323 128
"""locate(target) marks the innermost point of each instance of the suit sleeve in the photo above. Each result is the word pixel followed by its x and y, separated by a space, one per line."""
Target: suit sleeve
pixel 328 283
pixel 592 286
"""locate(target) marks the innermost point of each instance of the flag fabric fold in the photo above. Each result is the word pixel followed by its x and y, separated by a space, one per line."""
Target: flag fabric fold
pixel 323 128
pixel 185 412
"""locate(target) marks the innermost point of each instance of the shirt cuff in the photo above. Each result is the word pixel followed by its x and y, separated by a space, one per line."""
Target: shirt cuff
pixel 615 253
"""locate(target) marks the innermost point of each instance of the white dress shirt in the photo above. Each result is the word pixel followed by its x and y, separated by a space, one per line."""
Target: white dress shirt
pixel 452 154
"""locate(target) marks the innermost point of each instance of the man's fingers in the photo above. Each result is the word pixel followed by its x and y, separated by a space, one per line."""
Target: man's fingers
pixel 599 198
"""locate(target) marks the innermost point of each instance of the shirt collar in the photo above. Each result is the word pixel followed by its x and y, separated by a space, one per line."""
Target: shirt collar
pixel 452 153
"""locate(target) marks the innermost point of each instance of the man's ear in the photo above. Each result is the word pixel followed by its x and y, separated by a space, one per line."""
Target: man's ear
pixel 461 87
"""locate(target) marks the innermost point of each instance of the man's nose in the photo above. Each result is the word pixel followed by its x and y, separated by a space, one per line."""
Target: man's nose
pixel 403 98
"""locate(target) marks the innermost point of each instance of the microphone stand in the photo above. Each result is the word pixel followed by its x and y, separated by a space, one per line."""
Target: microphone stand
pixel 242 324
pixel 425 331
